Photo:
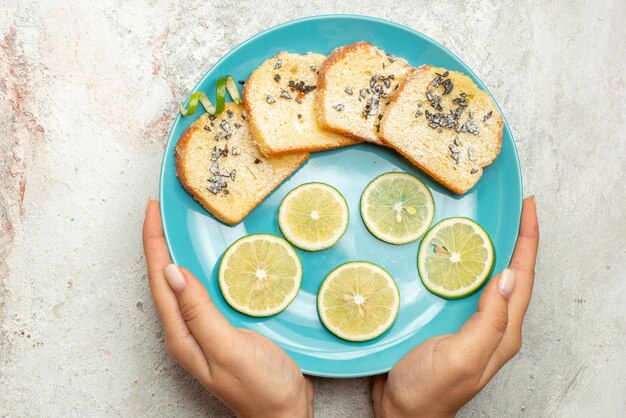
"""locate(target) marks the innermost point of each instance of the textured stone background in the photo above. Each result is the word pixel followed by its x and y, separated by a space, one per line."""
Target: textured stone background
pixel 87 96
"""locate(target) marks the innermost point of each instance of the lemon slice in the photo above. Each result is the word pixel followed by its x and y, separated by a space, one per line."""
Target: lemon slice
pixel 455 258
pixel 313 216
pixel 397 208
pixel 260 275
pixel 358 301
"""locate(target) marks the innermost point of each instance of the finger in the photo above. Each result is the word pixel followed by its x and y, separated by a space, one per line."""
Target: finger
pixel 474 344
pixel 187 352
pixel 205 322
pixel 310 391
pixel 180 343
pixel 157 258
pixel 523 263
pixel 377 392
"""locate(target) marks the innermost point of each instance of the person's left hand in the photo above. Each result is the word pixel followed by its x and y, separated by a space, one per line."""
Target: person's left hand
pixel 247 371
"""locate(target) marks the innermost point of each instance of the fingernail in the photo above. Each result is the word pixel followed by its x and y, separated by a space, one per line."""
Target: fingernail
pixel 533 197
pixel 174 277
pixel 148 203
pixel 506 282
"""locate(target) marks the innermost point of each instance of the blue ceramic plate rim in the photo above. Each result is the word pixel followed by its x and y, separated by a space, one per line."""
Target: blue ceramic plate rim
pixel 368 19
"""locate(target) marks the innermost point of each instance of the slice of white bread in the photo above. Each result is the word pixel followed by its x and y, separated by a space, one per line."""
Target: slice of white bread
pixel 218 164
pixel 445 124
pixel 279 98
pixel 355 84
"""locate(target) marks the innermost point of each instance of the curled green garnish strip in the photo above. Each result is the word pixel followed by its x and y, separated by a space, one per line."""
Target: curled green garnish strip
pixel 225 83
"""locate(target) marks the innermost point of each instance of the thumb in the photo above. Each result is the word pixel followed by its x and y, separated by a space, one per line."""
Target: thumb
pixel 205 322
pixel 377 393
pixel 482 333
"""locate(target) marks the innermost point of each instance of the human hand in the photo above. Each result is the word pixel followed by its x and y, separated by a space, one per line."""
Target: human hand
pixel 247 371
pixel 442 374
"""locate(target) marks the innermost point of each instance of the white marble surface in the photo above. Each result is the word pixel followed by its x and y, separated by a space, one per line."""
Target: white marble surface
pixel 87 95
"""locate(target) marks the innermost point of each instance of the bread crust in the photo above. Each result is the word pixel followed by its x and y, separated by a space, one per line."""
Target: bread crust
pixel 322 83
pixel 250 116
pixel 181 152
pixel 263 145
pixel 413 74
pixel 336 56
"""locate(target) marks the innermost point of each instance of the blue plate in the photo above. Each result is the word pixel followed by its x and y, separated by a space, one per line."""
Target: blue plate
pixel 196 240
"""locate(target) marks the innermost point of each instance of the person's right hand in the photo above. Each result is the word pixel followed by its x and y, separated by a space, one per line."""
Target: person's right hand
pixel 442 374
